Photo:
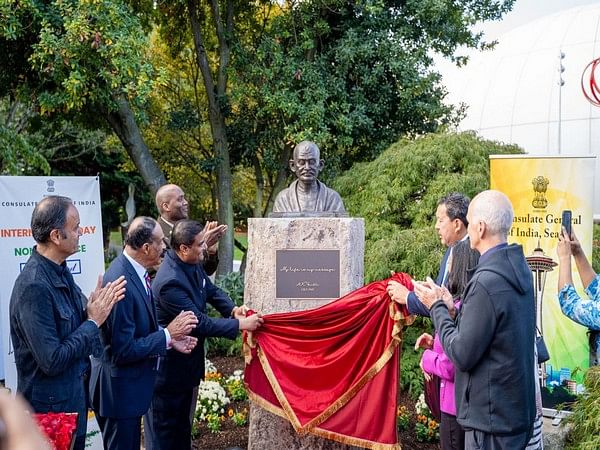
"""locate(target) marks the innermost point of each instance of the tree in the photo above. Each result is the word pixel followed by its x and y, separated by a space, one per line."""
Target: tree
pixel 34 145
pixel 214 27
pixel 81 56
pixel 351 76
pixel 399 192
pixel 18 153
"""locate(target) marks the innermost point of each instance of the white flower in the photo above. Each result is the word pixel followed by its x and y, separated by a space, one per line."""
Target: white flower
pixel 209 367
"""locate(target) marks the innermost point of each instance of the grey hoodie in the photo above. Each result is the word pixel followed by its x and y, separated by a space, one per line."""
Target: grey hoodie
pixel 491 345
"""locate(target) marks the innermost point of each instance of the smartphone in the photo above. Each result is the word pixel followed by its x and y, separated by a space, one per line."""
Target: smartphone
pixel 566 221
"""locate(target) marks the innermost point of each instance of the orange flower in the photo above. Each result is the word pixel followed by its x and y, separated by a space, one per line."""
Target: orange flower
pixel 230 412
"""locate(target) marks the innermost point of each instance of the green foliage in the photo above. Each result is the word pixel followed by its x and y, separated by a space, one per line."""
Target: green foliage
pixel 19 152
pixel 585 420
pixel 234 385
pixel 213 422
pixel 411 375
pixel 427 431
pixel 402 418
pixel 233 285
pixel 82 52
pixel 398 193
pixel 240 418
pixel 18 156
pixel 351 76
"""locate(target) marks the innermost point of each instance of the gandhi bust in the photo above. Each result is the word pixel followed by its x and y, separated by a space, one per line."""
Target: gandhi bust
pixel 307 194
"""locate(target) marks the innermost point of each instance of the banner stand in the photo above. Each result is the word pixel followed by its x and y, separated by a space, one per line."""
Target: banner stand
pixel 540 188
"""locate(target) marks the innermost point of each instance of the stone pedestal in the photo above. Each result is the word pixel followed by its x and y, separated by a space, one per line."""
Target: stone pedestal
pixel 291 266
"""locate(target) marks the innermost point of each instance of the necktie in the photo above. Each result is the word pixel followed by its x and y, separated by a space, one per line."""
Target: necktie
pixel 447 269
pixel 148 285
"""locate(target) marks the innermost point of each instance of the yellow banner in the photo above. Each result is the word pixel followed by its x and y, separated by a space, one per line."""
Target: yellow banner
pixel 540 188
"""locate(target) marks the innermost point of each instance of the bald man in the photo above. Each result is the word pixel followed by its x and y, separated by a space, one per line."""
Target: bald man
pixel 492 341
pixel 172 206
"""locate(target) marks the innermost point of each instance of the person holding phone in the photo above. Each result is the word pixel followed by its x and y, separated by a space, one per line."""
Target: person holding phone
pixel 585 312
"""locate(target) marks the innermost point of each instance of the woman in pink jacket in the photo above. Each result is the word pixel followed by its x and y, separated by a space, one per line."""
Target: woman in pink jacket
pixel 434 361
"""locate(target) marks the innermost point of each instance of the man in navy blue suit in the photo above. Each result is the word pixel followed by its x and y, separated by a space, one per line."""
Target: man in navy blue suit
pixel 181 283
pixel 451 225
pixel 122 382
pixel 53 327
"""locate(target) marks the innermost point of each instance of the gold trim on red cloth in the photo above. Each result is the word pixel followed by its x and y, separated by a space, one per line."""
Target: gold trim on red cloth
pixel 400 318
pixel 340 402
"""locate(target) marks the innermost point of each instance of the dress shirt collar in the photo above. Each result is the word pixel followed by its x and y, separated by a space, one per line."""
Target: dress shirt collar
pixel 139 269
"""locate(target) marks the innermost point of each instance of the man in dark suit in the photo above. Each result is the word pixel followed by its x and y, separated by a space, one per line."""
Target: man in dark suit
pixel 451 225
pixel 122 382
pixel 52 329
pixel 173 206
pixel 182 284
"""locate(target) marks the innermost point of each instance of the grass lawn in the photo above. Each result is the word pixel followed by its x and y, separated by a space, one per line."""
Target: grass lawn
pixel 116 238
pixel 243 239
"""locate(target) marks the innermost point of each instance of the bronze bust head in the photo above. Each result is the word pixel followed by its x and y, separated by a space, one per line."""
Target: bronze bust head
pixel 307 194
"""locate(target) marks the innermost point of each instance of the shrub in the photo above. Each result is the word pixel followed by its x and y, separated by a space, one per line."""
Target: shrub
pixel 398 193
pixel 233 285
pixel 585 420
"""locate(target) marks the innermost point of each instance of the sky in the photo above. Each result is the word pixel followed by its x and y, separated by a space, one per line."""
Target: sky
pixel 523 11
pixel 527 10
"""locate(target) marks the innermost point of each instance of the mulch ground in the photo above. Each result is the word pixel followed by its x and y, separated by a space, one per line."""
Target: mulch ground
pixel 234 437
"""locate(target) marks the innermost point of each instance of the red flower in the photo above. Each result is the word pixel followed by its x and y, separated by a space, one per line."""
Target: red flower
pixel 59 428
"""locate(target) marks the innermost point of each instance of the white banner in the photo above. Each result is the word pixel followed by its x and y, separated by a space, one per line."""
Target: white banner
pixel 18 197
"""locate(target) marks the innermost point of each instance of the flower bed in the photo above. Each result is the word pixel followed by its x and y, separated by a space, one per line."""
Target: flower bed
pixel 233 434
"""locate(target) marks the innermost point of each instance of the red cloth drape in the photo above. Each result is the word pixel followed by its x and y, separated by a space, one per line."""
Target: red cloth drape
pixel 333 371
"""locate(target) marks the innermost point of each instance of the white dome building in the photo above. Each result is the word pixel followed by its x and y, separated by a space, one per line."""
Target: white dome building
pixel 513 93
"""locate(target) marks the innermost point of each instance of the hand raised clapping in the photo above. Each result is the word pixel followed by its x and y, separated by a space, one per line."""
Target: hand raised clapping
pixel 428 292
pixel 102 300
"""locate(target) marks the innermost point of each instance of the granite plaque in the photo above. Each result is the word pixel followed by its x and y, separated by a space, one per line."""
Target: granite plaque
pixel 307 274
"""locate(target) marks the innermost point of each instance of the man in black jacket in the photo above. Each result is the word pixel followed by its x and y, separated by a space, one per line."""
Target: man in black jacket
pixel 491 343
pixel 53 327
pixel 182 284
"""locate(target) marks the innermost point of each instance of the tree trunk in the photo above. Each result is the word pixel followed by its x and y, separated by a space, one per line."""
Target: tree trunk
pixel 282 175
pixel 260 186
pixel 123 123
pixel 217 122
